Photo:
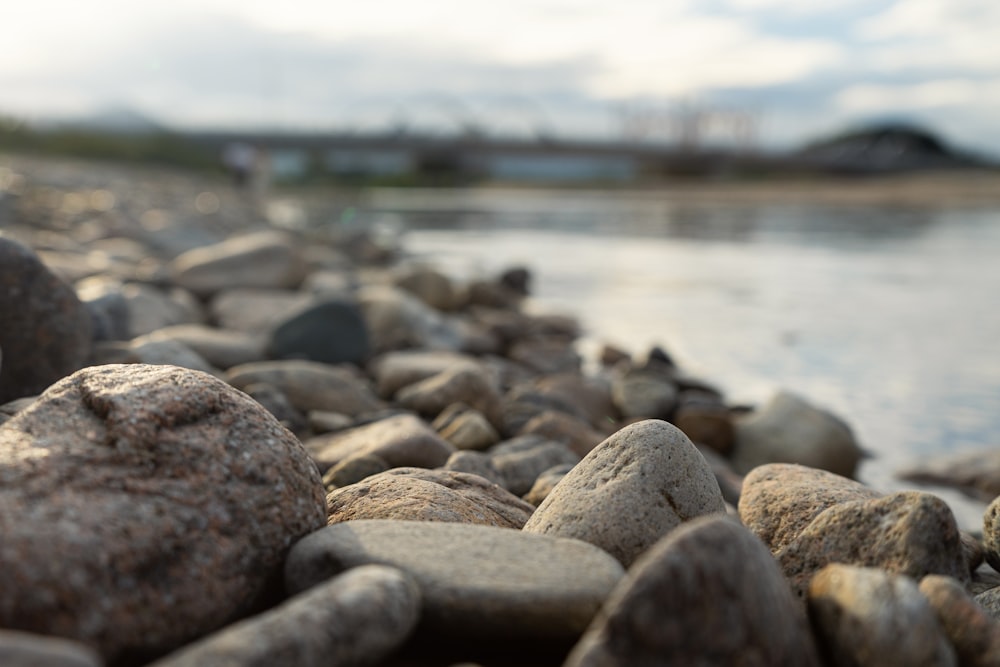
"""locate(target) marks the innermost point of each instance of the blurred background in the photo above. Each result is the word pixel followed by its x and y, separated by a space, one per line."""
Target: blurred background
pixel 783 195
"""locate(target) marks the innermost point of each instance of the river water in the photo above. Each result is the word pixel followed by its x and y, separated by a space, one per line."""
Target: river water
pixel 887 316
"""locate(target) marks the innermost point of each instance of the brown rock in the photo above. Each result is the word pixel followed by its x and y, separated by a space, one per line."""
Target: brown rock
pixel 309 385
pixel 401 441
pixel 974 633
pixel 394 370
pixel 545 482
pixel 464 384
pixel 466 428
pixel 522 460
pixel 416 494
pixel 707 594
pixel 591 396
pixel 475 463
pixel 561 427
pixel 352 470
pixel 169 497
pixel 706 423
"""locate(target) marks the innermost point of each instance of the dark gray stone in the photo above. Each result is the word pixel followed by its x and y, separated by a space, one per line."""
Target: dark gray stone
pixel 332 332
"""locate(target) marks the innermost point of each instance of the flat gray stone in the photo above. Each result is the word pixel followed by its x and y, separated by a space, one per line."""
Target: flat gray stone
pixel 256 310
pixel 267 258
pixel 520 468
pixel 356 618
pixel 401 441
pixel 223 348
pixel 631 490
pixel 309 385
pixel 476 581
pixel 709 593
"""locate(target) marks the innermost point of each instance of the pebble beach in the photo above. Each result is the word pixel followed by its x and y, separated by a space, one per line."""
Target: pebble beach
pixel 226 439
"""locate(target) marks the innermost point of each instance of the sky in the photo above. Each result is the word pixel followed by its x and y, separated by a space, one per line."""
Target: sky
pixel 770 72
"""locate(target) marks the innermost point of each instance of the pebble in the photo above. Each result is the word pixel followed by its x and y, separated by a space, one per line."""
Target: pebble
pixel 470 385
pixel 310 385
pixel 522 460
pixel 631 490
pixel 401 441
pixel 476 581
pixel 575 433
pixel 975 473
pixel 465 428
pixel 640 394
pixel 222 348
pixel 23 649
pixel 973 633
pixel 394 370
pixel 256 310
pixel 356 618
pixel 331 331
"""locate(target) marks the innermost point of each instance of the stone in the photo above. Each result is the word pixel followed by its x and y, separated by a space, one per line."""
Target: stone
pixel 973 633
pixel 545 482
pixel 352 470
pixel 108 308
pixel 222 348
pixel 908 533
pixel 398 320
pixel 429 285
pixel 417 494
pixel 310 385
pixel 331 331
pixel 256 310
pixel 591 397
pixel 476 581
pixel 151 308
pixel 991 534
pixel 45 332
pixel 23 649
pixel 524 402
pixel 394 370
pixel 557 426
pixel 989 600
pixel 779 500
pixel 357 618
pixel 706 423
pixel 973 550
pixel 546 355
pixel 631 490
pixel 274 401
pixel 976 473
pixel 867 617
pixel 266 259
pixel 142 350
pixel 475 463
pixel 790 430
pixel 709 593
pixel 465 428
pixel 730 483
pixel 162 490
pixel 462 384
pixel 401 441
pixel 521 467
pixel 643 395
pixel 517 278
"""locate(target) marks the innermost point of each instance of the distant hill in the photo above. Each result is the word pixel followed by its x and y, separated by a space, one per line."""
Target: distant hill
pixel 114 120
pixel 883 148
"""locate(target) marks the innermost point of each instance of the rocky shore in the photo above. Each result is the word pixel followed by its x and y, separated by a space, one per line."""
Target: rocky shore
pixel 227 440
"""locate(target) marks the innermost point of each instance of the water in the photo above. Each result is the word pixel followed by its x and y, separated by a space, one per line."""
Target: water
pixel 886 316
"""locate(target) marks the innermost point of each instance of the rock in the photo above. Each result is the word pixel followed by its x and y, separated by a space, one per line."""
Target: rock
pixel 521 466
pixel 324 421
pixel 575 433
pixel 401 441
pixel 23 649
pixel 730 483
pixel 611 355
pixel 789 430
pixel 352 470
pixel 976 474
pixel 142 350
pixel 709 593
pixel 706 423
pixel 332 332
pixel 151 308
pixel 644 395
pixel 222 348
pixel 462 384
pixel 973 633
pixel 274 401
pixel 780 499
pixel 465 428
pixel 162 490
pixel 416 494
pixel 397 320
pixel 309 385
pixel 108 308
pixel 45 331
pixel 590 397
pixel 475 463
pixel 991 534
pixel 524 402
pixel 476 581
pixel 256 311
pixel 989 600
pixel 973 551
pixel 517 278
pixel 546 355
pixel 631 490
pixel 266 259
pixel 867 617
pixel 357 618
pixel 429 285
pixel 545 482
pixel 904 533
pixel 394 370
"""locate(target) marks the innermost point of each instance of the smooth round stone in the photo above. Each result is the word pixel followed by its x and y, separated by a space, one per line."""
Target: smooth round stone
pixel 430 286
pixel 222 348
pixel 576 433
pixel 644 395
pixel 268 259
pixel 256 310
pixel 151 308
pixel 709 593
pixel 352 470
pixel 631 490
pixel 475 463
pixel 867 617
pixel 142 350
pixel 545 482
pixel 973 633
pixel 357 618
pixel 397 320
pixel 521 467
pixel 45 331
pixel 400 440
pixel 465 428
pixel 394 370
pixel 476 581
pixel 309 385
pixel 332 332
pixel 471 385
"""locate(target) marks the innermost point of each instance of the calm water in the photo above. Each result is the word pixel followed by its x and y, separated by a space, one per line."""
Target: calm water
pixel 887 317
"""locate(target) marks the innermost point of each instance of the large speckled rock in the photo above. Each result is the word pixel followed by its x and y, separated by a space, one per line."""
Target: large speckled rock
pixel 357 618
pixel 45 331
pixel 973 633
pixel 905 533
pixel 709 593
pixel 267 259
pixel 631 490
pixel 309 385
pixel 867 617
pixel 790 430
pixel 476 581
pixel 23 649
pixel 417 494
pixel 402 440
pixel 169 497
pixel 779 500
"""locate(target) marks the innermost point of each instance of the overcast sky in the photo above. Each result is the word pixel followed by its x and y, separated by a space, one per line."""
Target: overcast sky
pixel 565 67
